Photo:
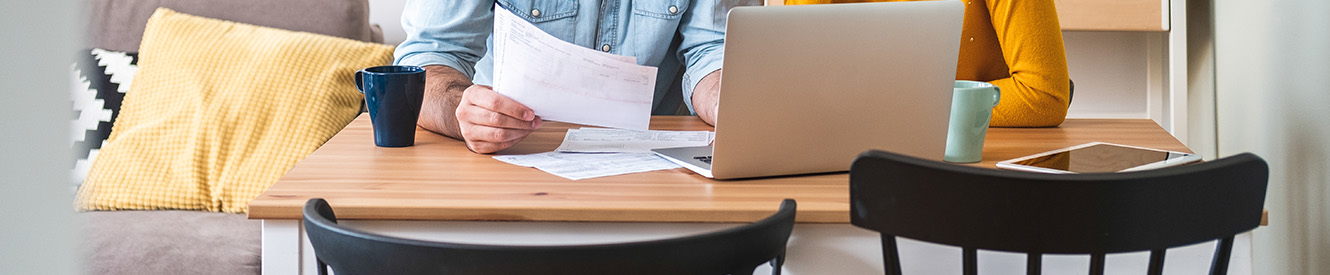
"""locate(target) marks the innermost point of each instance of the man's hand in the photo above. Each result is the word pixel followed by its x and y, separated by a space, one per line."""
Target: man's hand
pixel 490 122
pixel 486 120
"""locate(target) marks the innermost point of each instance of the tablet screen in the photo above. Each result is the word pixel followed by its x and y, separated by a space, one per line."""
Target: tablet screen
pixel 1102 158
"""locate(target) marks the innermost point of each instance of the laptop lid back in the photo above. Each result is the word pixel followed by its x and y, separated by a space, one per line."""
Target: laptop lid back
pixel 807 88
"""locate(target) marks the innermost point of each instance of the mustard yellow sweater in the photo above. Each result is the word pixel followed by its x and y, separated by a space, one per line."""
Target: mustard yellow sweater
pixel 1016 45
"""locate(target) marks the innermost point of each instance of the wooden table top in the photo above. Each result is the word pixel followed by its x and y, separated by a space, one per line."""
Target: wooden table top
pixel 439 179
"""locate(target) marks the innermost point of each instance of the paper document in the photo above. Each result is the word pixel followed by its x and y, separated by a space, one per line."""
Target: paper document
pixel 617 140
pixel 561 81
pixel 576 166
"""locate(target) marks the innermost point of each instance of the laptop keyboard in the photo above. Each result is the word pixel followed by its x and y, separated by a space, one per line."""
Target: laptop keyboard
pixel 706 159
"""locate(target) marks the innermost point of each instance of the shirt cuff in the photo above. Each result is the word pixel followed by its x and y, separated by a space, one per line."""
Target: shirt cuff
pixel 709 63
pixel 433 58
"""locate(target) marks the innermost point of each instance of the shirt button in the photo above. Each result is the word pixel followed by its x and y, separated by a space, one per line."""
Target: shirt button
pixel 674 9
pixel 605 48
pixel 971 39
pixel 535 13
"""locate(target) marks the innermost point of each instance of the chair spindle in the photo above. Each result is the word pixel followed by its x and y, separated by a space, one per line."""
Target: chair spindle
pixel 1034 264
pixel 1097 264
pixel 1157 261
pixel 971 258
pixel 1222 252
pixel 891 256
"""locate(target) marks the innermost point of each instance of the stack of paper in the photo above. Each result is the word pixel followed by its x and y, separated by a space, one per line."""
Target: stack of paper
pixel 576 166
pixel 596 140
pixel 596 152
pixel 561 81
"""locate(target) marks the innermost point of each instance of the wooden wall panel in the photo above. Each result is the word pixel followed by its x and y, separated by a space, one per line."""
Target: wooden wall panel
pixel 1113 15
pixel 1104 15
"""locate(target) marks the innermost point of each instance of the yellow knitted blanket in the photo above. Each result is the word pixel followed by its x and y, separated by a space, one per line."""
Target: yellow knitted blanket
pixel 220 110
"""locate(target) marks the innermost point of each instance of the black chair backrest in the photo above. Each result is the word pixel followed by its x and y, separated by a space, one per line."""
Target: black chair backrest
pixel 1036 213
pixel 737 250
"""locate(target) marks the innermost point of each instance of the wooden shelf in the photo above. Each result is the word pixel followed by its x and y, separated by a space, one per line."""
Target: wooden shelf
pixel 1103 15
pixel 1113 15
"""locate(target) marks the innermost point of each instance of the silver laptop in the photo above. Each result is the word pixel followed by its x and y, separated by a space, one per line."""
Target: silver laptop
pixel 808 88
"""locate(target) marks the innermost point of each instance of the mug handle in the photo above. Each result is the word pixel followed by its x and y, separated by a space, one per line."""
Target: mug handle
pixel 997 95
pixel 359 86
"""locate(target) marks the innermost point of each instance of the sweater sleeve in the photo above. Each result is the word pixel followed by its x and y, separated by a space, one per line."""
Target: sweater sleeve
pixel 1037 93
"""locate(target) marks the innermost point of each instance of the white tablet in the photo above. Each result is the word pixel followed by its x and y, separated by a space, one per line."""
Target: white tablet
pixel 1098 157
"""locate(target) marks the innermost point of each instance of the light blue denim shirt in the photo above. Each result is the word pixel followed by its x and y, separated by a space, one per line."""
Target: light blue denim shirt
pixel 456 33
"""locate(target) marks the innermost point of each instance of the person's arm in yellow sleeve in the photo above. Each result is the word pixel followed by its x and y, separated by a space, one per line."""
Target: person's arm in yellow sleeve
pixel 1037 93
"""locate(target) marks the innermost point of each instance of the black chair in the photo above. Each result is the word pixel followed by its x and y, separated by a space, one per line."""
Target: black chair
pixel 1071 91
pixel 736 250
pixel 1035 213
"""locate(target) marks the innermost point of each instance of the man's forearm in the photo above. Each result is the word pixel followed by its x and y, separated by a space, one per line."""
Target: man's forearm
pixel 443 93
pixel 706 97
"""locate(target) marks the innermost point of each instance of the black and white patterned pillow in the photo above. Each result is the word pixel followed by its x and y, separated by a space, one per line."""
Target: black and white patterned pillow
pixel 101 79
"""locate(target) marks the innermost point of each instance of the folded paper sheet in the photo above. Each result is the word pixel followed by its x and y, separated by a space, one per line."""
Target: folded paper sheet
pixel 565 82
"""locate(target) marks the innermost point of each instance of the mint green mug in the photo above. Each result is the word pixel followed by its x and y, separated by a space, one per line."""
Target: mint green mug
pixel 972 105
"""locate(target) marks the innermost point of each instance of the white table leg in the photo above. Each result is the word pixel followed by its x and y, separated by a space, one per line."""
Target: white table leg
pixel 282 245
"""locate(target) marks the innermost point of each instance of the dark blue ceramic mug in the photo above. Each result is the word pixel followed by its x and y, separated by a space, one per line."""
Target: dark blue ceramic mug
pixel 393 95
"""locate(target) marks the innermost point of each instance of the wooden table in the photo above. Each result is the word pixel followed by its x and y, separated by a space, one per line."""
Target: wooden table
pixel 438 179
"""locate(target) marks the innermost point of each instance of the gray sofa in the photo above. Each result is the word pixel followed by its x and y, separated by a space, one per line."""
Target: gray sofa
pixel 193 242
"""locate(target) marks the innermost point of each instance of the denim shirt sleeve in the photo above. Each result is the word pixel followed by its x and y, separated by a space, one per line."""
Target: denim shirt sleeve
pixel 445 32
pixel 703 44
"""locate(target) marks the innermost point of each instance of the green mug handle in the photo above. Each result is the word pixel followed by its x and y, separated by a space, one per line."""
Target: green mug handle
pixel 997 95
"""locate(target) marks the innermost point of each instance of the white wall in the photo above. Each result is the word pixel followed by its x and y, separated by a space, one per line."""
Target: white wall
pixel 388 14
pixel 1111 73
pixel 1201 79
pixel 1272 61
pixel 36 205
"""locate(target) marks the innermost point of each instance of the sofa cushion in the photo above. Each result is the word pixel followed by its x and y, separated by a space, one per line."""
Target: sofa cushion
pixel 169 242
pixel 220 110
pixel 101 79
pixel 118 25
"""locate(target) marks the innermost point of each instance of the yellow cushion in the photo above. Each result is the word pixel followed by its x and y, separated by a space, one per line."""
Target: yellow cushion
pixel 220 110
